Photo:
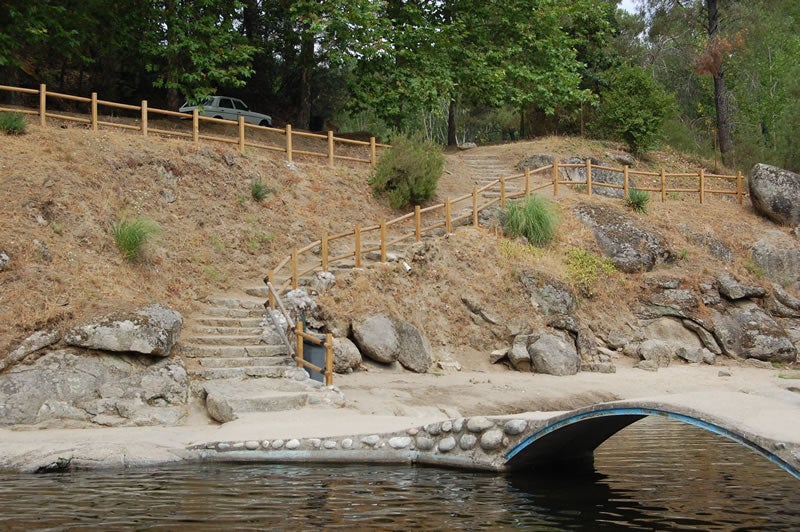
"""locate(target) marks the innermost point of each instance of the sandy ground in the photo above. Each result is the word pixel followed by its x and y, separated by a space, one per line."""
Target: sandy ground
pixel 383 401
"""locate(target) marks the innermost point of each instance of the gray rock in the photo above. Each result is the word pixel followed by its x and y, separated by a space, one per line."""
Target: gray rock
pixel 447 444
pixel 153 330
pixel 31 344
pixel 548 296
pixel 518 355
pixel 4 261
pixel 467 442
pixel 732 289
pixel 321 282
pixel 648 365
pixel 745 330
pixel 554 354
pixel 399 442
pixel 598 176
pixel 302 307
pixel 656 351
pixel 779 262
pixel 467 146
pixel 775 194
pixel 534 161
pixel 599 367
pixel 414 350
pixel 424 444
pixel 672 332
pixel 377 339
pixel 785 298
pixel 716 247
pixel 617 339
pixel 491 440
pixel 622 158
pixel 693 355
pixel 515 426
pixel 705 336
pixel 670 302
pixel 631 247
pixel 346 356
pixel 479 424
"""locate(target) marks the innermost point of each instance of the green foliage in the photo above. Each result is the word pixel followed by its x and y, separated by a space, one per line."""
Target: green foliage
pixel 12 123
pixel 637 200
pixel 634 108
pixel 536 219
pixel 584 268
pixel 131 236
pixel 409 172
pixel 259 191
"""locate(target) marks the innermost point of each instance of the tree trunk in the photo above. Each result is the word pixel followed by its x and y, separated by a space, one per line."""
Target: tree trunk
pixel 452 139
pixel 720 94
pixel 306 71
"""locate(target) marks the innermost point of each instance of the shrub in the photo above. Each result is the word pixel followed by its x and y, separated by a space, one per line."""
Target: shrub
pixel 258 190
pixel 637 200
pixel 12 123
pixel 131 236
pixel 536 219
pixel 584 268
pixel 408 173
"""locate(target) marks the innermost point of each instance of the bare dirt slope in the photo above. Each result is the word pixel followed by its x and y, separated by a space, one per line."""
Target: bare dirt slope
pixel 62 189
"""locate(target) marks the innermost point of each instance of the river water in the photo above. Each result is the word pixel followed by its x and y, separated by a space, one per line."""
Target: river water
pixel 656 474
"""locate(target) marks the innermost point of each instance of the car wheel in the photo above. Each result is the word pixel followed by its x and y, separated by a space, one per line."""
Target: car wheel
pixel 264 123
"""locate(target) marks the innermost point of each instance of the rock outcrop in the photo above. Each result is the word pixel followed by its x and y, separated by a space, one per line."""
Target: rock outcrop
pixel 775 194
pixel 598 176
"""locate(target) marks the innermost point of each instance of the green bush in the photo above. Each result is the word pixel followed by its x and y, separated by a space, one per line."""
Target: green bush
pixel 258 190
pixel 637 200
pixel 12 123
pixel 131 236
pixel 536 219
pixel 584 268
pixel 634 108
pixel 408 173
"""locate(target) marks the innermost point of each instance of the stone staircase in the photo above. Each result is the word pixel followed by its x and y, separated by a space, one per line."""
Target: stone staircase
pixel 488 168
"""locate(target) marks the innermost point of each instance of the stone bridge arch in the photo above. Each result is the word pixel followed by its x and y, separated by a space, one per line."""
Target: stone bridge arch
pixel 571 438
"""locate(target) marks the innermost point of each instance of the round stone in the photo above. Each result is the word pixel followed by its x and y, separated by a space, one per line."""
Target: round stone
pixel 447 426
pixel 491 440
pixel 399 442
pixel 329 444
pixel 222 446
pixel 251 445
pixel 467 442
pixel 277 444
pixel 316 443
pixel 237 446
pixel 447 444
pixel 347 443
pixel 425 444
pixel 293 444
pixel 434 429
pixel 265 444
pixel 371 440
pixel 515 426
pixel 479 424
pixel 412 431
pixel 458 424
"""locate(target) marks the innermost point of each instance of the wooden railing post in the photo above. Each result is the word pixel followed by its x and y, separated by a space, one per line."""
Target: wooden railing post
pixel 289 142
pixel 195 125
pixel 739 192
pixel 589 177
pixel 299 343
pixel 270 295
pixel 357 251
pixel 383 241
pixel 625 181
pixel 527 181
pixel 330 149
pixel 94 111
pixel 144 118
pixel 701 174
pixel 328 359
pixel 502 192
pixel 475 207
pixel 555 178
pixel 373 152
pixel 42 105
pixel 448 222
pixel 417 223
pixel 663 185
pixel 241 134
pixel 324 252
pixel 294 269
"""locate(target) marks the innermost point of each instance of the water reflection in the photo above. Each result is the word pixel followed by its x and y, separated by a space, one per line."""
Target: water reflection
pixel 655 474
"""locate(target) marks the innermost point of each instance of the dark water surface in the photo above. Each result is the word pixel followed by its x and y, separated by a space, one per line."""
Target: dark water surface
pixel 655 475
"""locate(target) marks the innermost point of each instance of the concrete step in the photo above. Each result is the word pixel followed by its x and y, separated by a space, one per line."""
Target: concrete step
pixel 226 351
pixel 244 362
pixel 223 321
pixel 229 331
pixel 270 372
pixel 222 340
pixel 226 312
pixel 257 291
pixel 236 302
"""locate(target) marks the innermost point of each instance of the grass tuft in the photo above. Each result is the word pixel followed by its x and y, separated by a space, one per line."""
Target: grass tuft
pixel 12 123
pixel 536 219
pixel 259 191
pixel 131 236
pixel 637 200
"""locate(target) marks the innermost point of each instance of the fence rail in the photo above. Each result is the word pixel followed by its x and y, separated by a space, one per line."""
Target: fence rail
pixel 355 244
pixel 247 135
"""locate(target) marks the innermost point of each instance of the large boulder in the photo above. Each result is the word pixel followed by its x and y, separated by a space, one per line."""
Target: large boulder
pixel 65 387
pixel 548 296
pixel 346 356
pixel 744 330
pixel 534 161
pixel 153 330
pixel 31 344
pixel 631 247
pixel 518 355
pixel 414 349
pixel 377 338
pixel 554 354
pixel 779 259
pixel 775 194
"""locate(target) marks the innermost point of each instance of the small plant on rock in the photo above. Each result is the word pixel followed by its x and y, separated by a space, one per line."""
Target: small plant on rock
pixel 131 236
pixel 12 123
pixel 637 200
pixel 536 219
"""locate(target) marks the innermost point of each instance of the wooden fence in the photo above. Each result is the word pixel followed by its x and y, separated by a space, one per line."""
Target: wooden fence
pixel 301 337
pixel 247 135
pixel 355 244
